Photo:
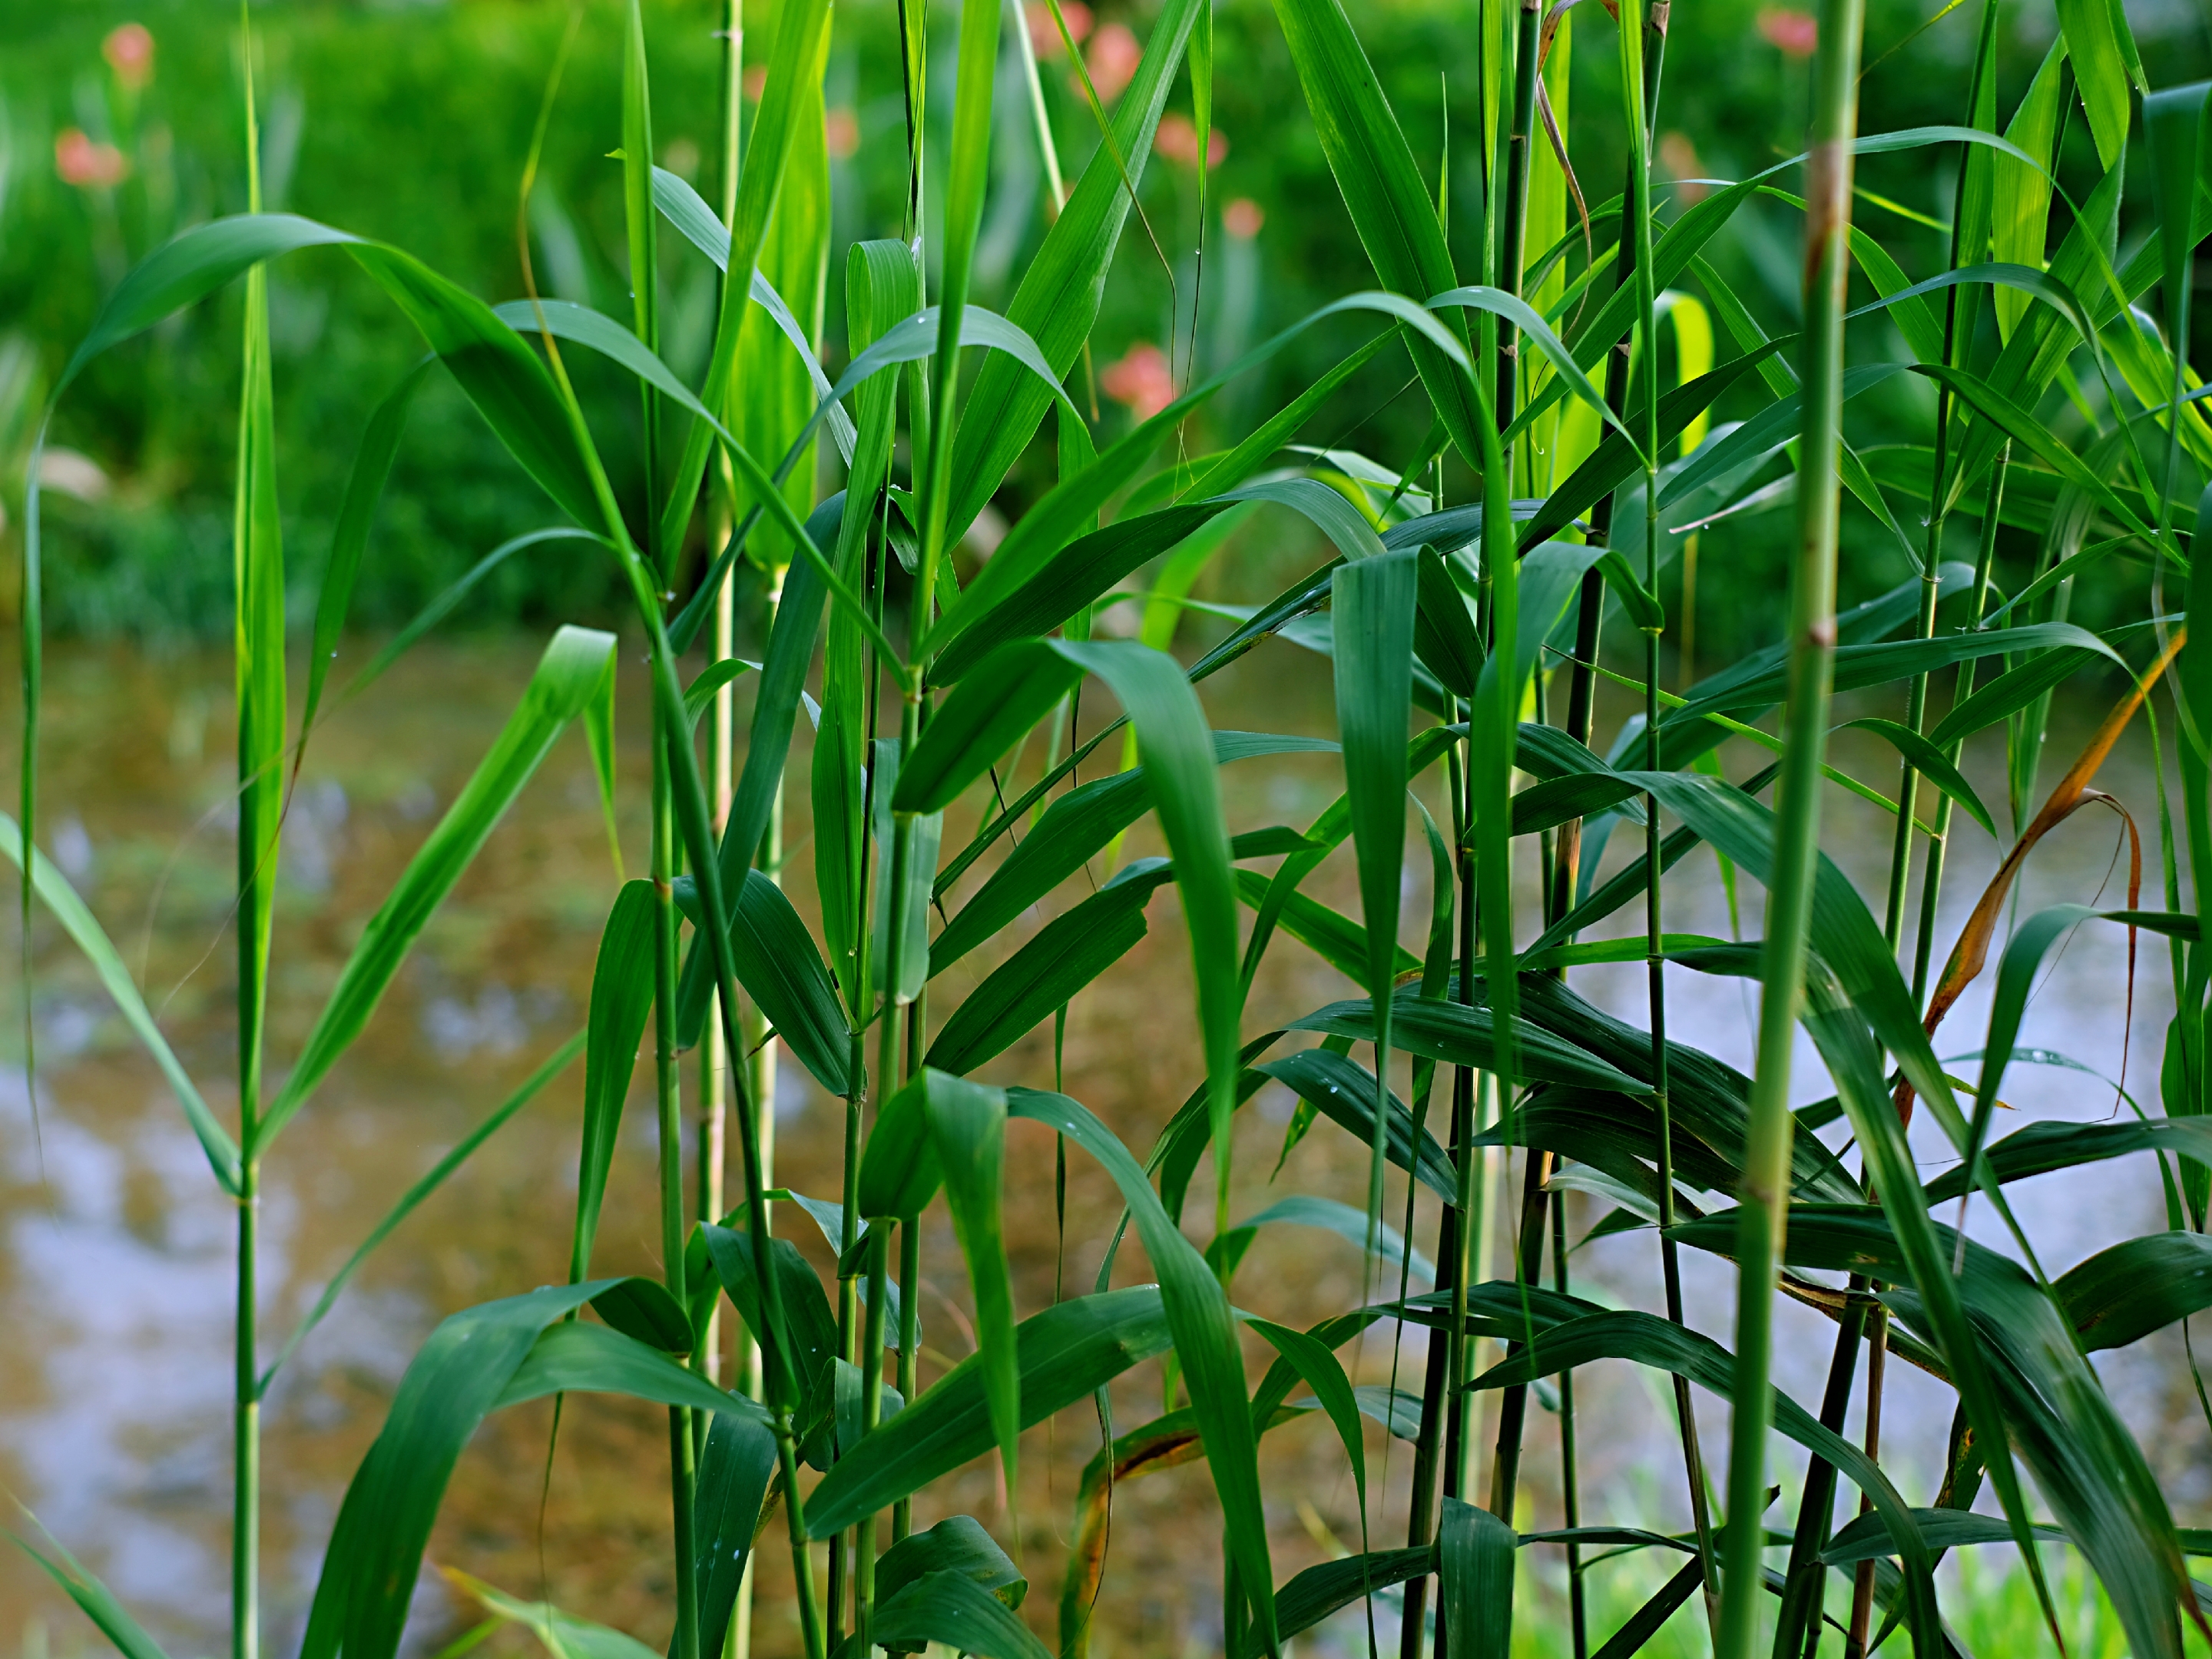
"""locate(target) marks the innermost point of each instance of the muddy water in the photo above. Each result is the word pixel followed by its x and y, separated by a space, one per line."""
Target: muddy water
pixel 116 1249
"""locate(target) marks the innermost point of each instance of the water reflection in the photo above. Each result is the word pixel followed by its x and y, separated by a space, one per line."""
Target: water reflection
pixel 115 1259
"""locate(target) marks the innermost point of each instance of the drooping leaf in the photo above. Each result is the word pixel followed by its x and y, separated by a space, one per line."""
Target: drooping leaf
pixel 622 999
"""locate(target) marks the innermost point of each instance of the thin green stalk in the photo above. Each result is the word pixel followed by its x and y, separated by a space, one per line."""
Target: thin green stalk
pixel 1513 1402
pixel 259 580
pixel 872 1412
pixel 1445 1359
pixel 1513 232
pixel 643 227
pixel 1931 884
pixel 1812 641
pixel 694 821
pixel 1862 1580
pixel 1954 353
pixel 909 1363
pixel 669 1093
pixel 1805 1584
pixel 1637 225
pixel 714 1140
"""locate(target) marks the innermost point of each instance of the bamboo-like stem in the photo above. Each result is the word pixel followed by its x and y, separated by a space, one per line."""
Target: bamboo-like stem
pixel 668 1087
pixel 255 874
pixel 1590 602
pixel 1931 885
pixel 1862 1580
pixel 872 1412
pixel 1812 642
pixel 1806 1581
pixel 1513 1402
pixel 1444 1360
pixel 1571 1497
pixel 1636 224
pixel 909 1363
pixel 714 1140
pixel 668 1077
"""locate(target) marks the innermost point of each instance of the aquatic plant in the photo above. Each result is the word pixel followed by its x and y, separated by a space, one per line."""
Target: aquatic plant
pixel 1451 630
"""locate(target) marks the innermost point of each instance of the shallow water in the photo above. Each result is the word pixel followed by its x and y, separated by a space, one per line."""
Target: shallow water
pixel 116 1249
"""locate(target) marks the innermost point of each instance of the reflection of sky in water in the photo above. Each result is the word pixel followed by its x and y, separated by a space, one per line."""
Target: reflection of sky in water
pixel 116 1428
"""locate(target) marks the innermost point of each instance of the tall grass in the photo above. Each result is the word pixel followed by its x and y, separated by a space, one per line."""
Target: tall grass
pixel 1467 576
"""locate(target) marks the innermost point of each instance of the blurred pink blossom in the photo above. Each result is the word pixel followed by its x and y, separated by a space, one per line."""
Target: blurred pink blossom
pixel 129 50
pixel 1112 60
pixel 1796 33
pixel 1141 381
pixel 86 163
pixel 1242 218
pixel 1176 138
pixel 1044 33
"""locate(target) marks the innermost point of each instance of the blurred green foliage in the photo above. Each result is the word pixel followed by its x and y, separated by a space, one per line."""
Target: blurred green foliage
pixel 410 123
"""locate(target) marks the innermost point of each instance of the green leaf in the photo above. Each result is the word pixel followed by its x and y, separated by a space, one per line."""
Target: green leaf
pixel 813 1335
pixel 1382 190
pixel 1343 1090
pixel 188 268
pixel 1330 1216
pixel 561 1634
pixel 990 711
pixel 1066 1353
pixel 783 973
pixel 1373 617
pixel 2122 1294
pixel 2100 70
pixel 1178 750
pixel 1077 825
pixel 1461 1035
pixel 576 1358
pixel 958 1545
pixel 2040 1148
pixel 1649 1340
pixel 950 1608
pixel 968 1127
pixel 1475 1568
pixel 1197 1310
pixel 372 467
pixel 735 1466
pixel 1070 508
pixel 1317 1592
pixel 82 1587
pixel 1932 763
pixel 1867 1539
pixel 468 1366
pixel 1066 955
pixel 1058 298
pixel 621 998
pixel 61 899
pixel 566 677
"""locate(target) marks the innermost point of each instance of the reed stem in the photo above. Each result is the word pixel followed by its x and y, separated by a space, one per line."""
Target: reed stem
pixel 1812 642
pixel 1571 1497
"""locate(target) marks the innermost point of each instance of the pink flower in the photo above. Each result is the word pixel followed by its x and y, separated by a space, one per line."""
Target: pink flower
pixel 1242 218
pixel 129 50
pixel 1044 33
pixel 1141 381
pixel 1796 33
pixel 1113 60
pixel 87 164
pixel 1176 138
pixel 841 131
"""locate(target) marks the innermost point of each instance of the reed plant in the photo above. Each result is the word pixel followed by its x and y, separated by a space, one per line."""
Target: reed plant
pixel 1469 591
